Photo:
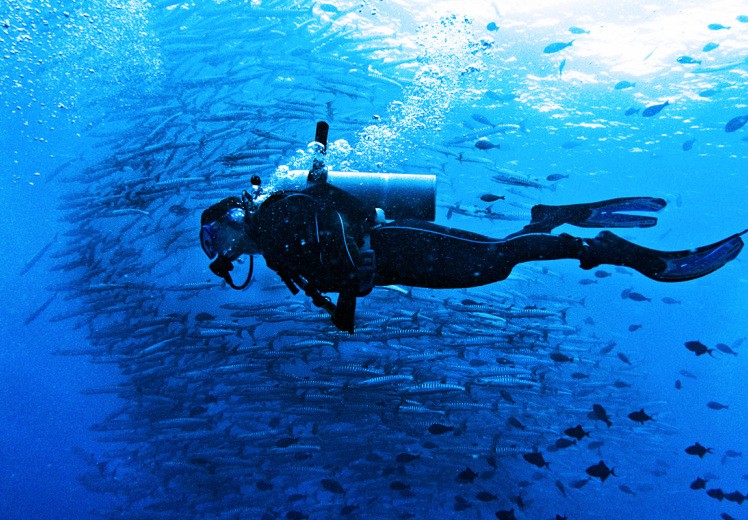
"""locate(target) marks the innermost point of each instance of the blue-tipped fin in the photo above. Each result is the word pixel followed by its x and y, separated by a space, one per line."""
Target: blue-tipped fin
pixel 603 214
pixel 663 266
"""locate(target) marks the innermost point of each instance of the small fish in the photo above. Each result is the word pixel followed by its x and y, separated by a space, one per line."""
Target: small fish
pixel 599 413
pixel 621 384
pixel 708 92
pixel 654 109
pixel 563 443
pixel 714 405
pixel 580 375
pixel 568 145
pixel 204 316
pixel 576 432
pixel 631 111
pixel 716 27
pixel 560 487
pixel 686 373
pixel 561 67
pixel 678 384
pixel 467 476
pixel 698 348
pixel 626 489
pixel 397 485
pixel 333 486
pixel 513 421
pixel 601 471
pixel 725 516
pixel 556 47
pixel 485 496
pixel 736 123
pixel 577 30
pixel 635 296
pixel 556 177
pixel 579 484
pixel 670 301
pixel 558 357
pixel 688 60
pixel 404 458
pixel 506 514
pixel 484 144
pixel 716 493
pixel 641 416
pixel 492 26
pixel 710 47
pixel 536 458
pixel 735 496
pixel 595 445
pixel 602 274
pixel 725 349
pixel 687 145
pixel 623 357
pixel 698 450
pixel 439 429
pixel 742 18
pixel 489 197
pixel 623 85
pixel 481 119
pixel 699 483
pixel 633 328
pixel 587 281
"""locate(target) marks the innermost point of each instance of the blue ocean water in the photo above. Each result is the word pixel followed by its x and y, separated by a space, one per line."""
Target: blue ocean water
pixel 123 121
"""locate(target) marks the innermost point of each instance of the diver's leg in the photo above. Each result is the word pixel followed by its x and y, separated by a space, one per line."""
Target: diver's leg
pixel 663 266
pixel 422 254
pixel 603 214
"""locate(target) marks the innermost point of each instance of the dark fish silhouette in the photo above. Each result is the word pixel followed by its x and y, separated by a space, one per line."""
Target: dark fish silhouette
pixel 724 348
pixel 641 416
pixel 698 348
pixel 631 111
pixel 556 177
pixel 489 197
pixel 623 357
pixel 699 483
pixel 714 405
pixel 602 274
pixel 513 421
pixel 439 429
pixel 626 489
pixel 736 123
pixel 333 486
pixel 484 144
pixel 678 384
pixel 716 26
pixel 687 145
pixel 467 476
pixel 654 109
pixel 485 496
pixel 404 458
pixel 708 92
pixel 669 300
pixel 506 514
pixel 536 458
pixel 587 281
pixel 599 413
pixel 561 358
pixel 563 443
pixel 461 504
pixel 716 493
pixel 686 373
pixel 601 471
pixel 579 484
pixel 577 432
pixel 621 384
pixel 633 328
pixel 735 496
pixel 555 47
pixel 623 85
pixel 397 485
pixel 635 296
pixel 698 450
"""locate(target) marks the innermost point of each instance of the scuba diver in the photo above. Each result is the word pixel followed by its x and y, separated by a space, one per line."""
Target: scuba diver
pixel 324 239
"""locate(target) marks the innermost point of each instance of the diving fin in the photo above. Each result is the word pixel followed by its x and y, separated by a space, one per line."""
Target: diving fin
pixel 663 266
pixel 603 214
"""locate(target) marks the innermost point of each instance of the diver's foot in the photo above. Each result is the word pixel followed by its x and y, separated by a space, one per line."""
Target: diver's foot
pixel 603 214
pixel 663 266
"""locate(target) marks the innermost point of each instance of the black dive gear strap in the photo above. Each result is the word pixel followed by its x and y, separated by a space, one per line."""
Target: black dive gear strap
pixel 222 267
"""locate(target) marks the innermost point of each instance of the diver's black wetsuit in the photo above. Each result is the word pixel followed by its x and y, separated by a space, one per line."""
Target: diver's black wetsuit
pixel 323 239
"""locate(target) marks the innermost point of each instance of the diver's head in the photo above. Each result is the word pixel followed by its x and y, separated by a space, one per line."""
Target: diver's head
pixel 223 230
